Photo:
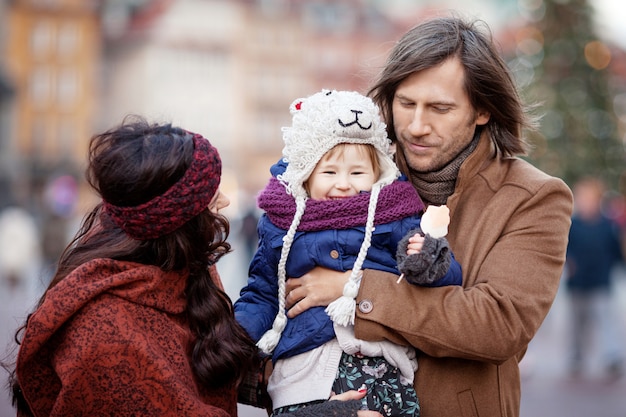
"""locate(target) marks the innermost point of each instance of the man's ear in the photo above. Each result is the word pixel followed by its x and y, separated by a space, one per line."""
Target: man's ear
pixel 482 117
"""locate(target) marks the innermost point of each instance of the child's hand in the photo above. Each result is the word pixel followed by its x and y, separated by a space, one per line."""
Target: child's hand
pixel 415 244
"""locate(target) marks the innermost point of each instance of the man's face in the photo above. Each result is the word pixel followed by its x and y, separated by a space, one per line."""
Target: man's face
pixel 433 118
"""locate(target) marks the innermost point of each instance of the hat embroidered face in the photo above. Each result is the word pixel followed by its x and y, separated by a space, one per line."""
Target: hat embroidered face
pixel 324 120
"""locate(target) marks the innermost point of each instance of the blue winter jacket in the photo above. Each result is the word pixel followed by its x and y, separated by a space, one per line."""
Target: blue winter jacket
pixel 335 249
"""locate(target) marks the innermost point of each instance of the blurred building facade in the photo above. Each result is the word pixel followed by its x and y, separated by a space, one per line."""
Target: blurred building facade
pixel 53 50
pixel 6 94
pixel 226 68
pixel 230 69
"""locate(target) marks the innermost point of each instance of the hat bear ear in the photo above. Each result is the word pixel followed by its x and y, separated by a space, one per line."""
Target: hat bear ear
pixel 296 106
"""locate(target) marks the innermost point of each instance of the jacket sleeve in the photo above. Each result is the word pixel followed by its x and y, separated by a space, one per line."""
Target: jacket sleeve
pixel 257 305
pixel 510 281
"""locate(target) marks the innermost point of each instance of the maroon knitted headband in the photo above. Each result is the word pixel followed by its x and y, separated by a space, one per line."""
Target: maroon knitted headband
pixel 188 197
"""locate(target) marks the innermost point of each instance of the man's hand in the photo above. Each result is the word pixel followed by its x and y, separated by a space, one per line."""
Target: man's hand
pixel 318 287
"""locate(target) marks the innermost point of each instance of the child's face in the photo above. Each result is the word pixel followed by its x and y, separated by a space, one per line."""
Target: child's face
pixel 342 173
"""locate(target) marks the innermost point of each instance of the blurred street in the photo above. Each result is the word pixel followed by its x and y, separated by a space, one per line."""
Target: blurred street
pixel 547 390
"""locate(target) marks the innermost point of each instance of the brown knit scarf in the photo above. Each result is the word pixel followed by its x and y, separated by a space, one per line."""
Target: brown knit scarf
pixel 436 186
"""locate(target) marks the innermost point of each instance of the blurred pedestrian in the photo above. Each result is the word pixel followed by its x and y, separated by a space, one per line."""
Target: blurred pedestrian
pixel 593 252
pixel 20 249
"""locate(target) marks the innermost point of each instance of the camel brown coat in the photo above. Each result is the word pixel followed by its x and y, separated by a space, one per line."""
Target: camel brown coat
pixel 509 227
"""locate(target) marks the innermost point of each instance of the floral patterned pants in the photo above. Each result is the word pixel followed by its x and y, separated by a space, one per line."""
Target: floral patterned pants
pixel 385 393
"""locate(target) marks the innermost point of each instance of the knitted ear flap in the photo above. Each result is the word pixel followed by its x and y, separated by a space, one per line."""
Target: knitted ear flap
pixel 342 310
pixel 270 339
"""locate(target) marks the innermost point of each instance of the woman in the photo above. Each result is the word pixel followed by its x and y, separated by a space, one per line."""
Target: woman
pixel 135 320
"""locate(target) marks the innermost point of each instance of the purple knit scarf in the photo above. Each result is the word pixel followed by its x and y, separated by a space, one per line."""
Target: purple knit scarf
pixel 395 201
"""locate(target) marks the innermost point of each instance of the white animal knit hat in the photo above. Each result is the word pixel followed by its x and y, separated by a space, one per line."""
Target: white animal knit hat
pixel 320 122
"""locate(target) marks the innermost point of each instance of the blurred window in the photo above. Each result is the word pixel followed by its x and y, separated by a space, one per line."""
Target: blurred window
pixel 67 88
pixel 41 86
pixel 41 39
pixel 68 39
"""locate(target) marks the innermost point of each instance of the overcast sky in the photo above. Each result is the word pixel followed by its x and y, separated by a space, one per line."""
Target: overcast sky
pixel 611 16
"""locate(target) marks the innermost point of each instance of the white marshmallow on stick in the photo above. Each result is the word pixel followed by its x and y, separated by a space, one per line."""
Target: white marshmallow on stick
pixel 435 221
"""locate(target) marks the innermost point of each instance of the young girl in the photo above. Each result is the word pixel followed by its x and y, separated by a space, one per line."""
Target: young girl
pixel 335 201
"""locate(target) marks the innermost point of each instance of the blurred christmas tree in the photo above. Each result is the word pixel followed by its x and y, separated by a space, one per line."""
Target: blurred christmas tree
pixel 566 69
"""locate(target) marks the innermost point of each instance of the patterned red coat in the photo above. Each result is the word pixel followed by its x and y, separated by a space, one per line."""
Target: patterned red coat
pixel 111 339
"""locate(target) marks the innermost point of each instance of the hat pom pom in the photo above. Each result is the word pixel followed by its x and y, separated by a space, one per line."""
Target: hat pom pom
pixel 270 339
pixel 342 310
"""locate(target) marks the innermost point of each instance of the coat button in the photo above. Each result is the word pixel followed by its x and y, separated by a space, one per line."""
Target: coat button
pixel 366 306
pixel 334 254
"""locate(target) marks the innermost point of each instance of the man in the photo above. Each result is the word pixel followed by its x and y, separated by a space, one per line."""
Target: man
pixel 456 118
